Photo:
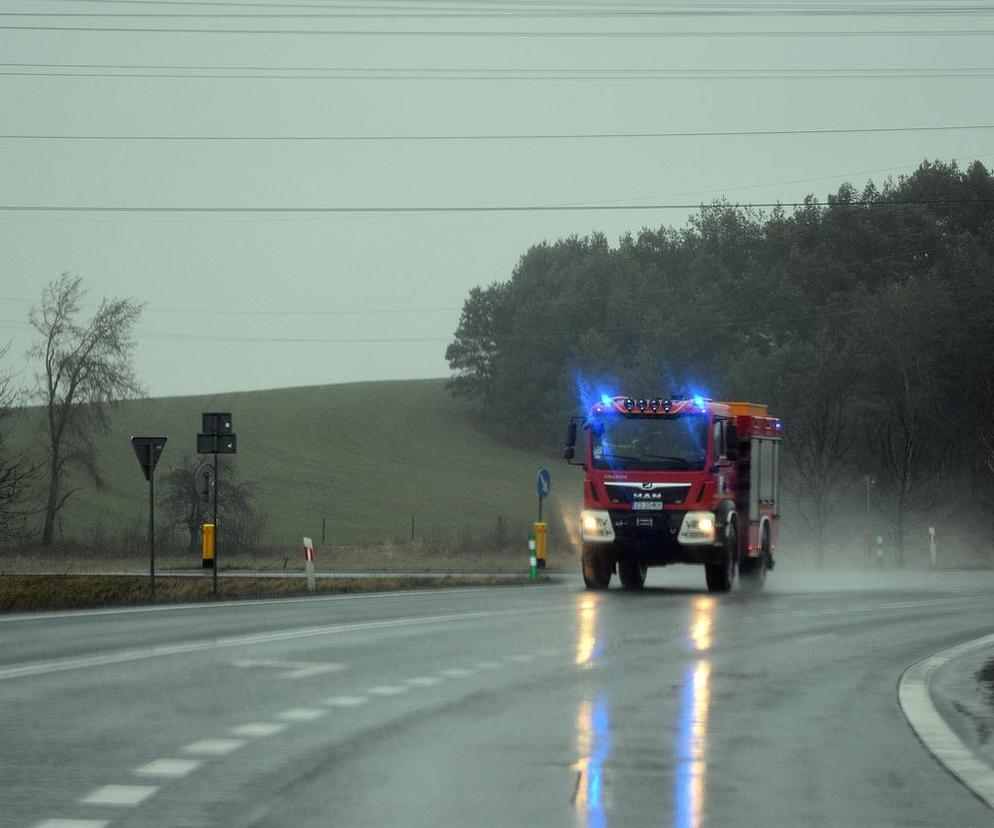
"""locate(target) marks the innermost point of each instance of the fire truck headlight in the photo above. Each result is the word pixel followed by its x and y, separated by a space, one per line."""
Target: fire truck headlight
pixel 595 525
pixel 697 528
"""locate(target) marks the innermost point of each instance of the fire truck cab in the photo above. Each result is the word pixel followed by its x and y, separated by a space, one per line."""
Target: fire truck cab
pixel 677 480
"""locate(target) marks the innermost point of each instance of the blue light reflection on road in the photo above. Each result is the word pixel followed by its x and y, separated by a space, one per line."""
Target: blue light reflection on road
pixel 593 725
pixel 695 705
pixel 593 737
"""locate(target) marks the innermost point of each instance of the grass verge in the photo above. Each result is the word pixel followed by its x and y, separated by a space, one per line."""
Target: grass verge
pixel 32 593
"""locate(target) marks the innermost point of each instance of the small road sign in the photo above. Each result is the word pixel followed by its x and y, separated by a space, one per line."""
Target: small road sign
pixel 543 482
pixel 216 422
pixel 203 481
pixel 148 450
pixel 217 444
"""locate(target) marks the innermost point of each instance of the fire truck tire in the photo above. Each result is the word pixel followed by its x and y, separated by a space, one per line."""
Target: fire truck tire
pixel 720 575
pixel 632 573
pixel 752 573
pixel 597 567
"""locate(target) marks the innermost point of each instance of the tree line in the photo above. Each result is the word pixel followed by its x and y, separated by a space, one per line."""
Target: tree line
pixel 865 322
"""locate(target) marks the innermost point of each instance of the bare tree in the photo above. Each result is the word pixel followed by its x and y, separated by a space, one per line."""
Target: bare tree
pixel 15 469
pixel 241 522
pixel 913 453
pixel 986 413
pixel 819 436
pixel 86 368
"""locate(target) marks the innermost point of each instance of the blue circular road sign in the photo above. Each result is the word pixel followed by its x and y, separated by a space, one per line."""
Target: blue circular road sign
pixel 544 482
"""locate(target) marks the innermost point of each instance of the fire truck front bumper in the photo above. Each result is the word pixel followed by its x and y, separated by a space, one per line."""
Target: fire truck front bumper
pixel 661 536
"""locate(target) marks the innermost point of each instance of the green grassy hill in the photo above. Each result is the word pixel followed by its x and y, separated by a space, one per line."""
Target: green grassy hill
pixel 365 456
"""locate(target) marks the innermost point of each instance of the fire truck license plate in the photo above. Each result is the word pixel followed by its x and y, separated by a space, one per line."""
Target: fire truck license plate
pixel 647 505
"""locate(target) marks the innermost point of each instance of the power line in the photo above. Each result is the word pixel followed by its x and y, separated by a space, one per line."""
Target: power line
pixel 538 12
pixel 449 75
pixel 515 208
pixel 578 136
pixel 257 313
pixel 503 33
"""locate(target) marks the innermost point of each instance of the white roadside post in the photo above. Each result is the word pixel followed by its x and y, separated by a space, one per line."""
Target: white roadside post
pixel 931 544
pixel 309 563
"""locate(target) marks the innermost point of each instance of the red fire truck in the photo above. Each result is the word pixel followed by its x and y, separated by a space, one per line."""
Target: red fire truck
pixel 678 480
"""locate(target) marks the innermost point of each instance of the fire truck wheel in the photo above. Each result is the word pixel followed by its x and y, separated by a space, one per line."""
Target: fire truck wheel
pixel 632 573
pixel 752 573
pixel 597 567
pixel 720 576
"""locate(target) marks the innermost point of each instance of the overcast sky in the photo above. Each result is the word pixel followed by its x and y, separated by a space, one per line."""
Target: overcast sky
pixel 237 301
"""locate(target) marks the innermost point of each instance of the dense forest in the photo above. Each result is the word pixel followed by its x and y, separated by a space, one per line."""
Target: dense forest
pixel 866 323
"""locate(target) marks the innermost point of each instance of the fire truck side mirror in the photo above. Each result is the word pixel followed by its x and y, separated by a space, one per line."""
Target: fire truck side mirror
pixel 732 439
pixel 570 436
pixel 569 453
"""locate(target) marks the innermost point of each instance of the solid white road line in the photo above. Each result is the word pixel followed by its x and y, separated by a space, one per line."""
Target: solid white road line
pixel 441 592
pixel 214 747
pixel 120 795
pixel 301 714
pixel 171 768
pixel 253 729
pixel 73 823
pixel 56 665
pixel 345 701
pixel 940 739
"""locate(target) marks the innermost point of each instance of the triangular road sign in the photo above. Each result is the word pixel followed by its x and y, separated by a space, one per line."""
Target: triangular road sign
pixel 148 451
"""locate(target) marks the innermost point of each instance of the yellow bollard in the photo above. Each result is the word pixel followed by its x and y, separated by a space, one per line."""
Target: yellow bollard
pixel 207 545
pixel 541 543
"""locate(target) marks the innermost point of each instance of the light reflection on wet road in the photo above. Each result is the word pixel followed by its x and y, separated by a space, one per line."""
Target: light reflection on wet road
pixel 691 748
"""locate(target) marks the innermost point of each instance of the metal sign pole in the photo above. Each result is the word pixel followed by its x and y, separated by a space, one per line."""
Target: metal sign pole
pixel 216 533
pixel 151 521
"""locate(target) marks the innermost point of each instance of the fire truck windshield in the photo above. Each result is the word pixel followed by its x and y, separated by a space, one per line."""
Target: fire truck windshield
pixel 649 443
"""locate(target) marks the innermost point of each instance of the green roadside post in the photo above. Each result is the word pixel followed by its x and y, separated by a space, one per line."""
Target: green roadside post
pixel 532 562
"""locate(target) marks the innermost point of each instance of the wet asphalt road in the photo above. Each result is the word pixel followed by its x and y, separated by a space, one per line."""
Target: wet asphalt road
pixel 508 706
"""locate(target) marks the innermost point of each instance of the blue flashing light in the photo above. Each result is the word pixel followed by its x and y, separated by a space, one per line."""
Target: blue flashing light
pixel 699 402
pixel 606 400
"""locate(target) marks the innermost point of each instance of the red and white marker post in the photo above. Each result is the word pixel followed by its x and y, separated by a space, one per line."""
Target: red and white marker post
pixel 309 563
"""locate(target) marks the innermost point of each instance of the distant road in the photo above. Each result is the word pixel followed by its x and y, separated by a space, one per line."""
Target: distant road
pixel 543 705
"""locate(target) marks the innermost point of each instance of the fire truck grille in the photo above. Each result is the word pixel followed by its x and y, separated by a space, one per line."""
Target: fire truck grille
pixel 618 493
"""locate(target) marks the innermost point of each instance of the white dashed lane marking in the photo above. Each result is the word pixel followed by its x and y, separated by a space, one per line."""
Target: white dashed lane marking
pixel 456 672
pixel 120 795
pixel 214 747
pixel 171 768
pixel 345 701
pixel 487 665
pixel 301 714
pixel 73 823
pixel 253 729
pixel 522 658
pixel 424 681
pixel 387 690
pixel 289 669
